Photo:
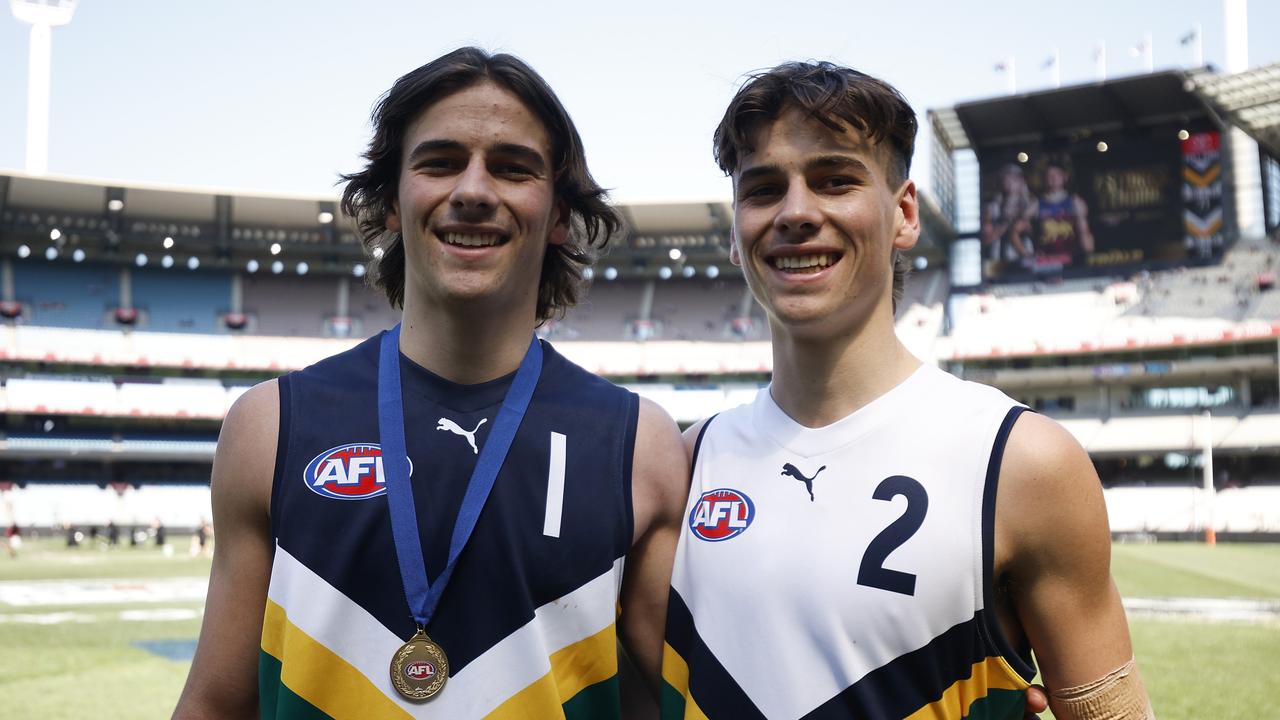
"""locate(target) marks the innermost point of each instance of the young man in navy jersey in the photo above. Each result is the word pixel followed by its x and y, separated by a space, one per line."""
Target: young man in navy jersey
pixel 489 586
pixel 846 553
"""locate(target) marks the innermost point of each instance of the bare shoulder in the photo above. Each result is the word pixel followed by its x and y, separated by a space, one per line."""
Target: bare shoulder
pixel 691 435
pixel 1050 497
pixel 659 466
pixel 1042 458
pixel 246 454
pixel 257 410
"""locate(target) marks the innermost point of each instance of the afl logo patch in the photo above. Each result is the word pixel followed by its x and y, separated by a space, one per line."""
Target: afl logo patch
pixel 721 514
pixel 348 472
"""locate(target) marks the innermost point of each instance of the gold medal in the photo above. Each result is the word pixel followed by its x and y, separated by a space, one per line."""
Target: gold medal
pixel 419 668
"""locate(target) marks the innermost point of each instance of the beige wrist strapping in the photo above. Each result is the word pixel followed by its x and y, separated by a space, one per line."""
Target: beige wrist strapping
pixel 1118 695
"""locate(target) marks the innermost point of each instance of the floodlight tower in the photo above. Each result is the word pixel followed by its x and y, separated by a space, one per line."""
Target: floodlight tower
pixel 42 16
pixel 1243 150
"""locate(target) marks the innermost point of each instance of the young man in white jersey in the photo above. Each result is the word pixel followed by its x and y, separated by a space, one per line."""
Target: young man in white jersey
pixel 477 196
pixel 846 553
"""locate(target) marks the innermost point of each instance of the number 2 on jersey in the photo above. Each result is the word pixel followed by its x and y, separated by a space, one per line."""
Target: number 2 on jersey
pixel 872 572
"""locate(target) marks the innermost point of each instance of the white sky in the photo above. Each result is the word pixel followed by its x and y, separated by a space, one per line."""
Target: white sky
pixel 275 96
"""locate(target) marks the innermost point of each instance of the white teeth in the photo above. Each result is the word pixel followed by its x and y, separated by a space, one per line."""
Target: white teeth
pixel 804 262
pixel 471 240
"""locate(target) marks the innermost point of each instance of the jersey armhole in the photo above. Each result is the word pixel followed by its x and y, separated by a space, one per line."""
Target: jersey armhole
pixel 1019 661
pixel 282 452
pixel 697 444
pixel 631 411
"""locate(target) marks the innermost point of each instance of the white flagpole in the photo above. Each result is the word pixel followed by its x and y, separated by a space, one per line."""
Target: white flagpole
pixel 1150 53
pixel 1057 69
pixel 1199 47
pixel 1100 60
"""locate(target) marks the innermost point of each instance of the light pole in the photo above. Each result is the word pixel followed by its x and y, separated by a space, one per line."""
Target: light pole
pixel 42 16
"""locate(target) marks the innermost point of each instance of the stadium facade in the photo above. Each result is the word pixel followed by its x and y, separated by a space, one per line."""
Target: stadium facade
pixel 1093 267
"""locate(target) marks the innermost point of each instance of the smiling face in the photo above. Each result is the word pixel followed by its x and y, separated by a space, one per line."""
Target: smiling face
pixel 815 226
pixel 475 203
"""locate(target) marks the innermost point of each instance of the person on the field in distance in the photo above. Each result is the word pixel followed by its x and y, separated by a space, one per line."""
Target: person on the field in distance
pixel 478 196
pixel 846 553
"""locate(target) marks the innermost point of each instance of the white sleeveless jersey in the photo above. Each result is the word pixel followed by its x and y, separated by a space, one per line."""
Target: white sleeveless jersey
pixel 845 571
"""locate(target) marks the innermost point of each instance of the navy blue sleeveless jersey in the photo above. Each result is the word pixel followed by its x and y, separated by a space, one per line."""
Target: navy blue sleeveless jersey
pixel 528 618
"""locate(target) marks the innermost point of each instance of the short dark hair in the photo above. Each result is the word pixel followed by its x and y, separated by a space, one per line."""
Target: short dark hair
pixel 370 193
pixel 836 96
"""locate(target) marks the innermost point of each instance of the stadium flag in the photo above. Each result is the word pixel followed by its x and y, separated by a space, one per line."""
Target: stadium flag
pixel 1143 49
pixel 1008 67
pixel 1195 40
pixel 1051 63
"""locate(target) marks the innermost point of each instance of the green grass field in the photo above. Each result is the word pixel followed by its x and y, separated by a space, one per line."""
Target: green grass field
pixel 66 659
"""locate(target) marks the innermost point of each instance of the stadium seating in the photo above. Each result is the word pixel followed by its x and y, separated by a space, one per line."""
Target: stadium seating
pixel 690 403
pixel 604 312
pixel 296 308
pixel 51 505
pixel 698 309
pixel 181 300
pixel 370 308
pixel 1187 509
pixel 61 294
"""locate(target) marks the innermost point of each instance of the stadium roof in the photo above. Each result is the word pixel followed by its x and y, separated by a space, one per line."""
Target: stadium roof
pixel 1249 100
pixel 1125 102
pixel 1139 100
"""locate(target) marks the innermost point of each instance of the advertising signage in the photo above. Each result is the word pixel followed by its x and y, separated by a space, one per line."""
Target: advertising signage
pixel 1098 208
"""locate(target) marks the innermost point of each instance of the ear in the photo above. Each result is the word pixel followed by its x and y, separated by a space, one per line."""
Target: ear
pixel 393 217
pixel 907 217
pixel 561 222
pixel 734 257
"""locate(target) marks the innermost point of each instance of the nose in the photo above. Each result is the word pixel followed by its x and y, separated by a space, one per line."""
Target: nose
pixel 474 193
pixel 798 217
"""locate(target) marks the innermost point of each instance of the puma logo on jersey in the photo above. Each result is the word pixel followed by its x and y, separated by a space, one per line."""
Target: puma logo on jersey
pixel 793 471
pixel 721 514
pixel 456 429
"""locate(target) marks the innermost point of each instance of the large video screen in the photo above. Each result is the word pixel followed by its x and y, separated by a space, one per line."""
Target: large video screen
pixel 1101 208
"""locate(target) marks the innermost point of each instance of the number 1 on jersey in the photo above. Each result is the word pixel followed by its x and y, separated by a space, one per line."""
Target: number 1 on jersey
pixel 555 487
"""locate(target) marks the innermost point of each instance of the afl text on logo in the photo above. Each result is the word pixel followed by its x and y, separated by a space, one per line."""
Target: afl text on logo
pixel 721 514
pixel 348 472
pixel 419 670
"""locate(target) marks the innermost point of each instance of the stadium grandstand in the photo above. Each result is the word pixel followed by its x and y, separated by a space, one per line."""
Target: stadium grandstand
pixel 132 316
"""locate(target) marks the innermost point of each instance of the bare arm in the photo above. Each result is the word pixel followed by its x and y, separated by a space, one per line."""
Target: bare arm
pixel 1053 549
pixel 659 486
pixel 1082 224
pixel 223 681
pixel 989 230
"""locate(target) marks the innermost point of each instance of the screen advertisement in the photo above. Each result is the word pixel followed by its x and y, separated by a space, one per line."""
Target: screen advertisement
pixel 1097 208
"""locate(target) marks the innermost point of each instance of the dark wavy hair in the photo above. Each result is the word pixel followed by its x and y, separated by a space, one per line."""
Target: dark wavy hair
pixel 370 193
pixel 836 96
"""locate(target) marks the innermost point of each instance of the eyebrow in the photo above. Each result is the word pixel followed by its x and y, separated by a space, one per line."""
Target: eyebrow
pixel 819 163
pixel 524 152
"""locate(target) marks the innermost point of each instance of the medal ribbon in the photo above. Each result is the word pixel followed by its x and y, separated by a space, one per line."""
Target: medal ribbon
pixel 423 595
